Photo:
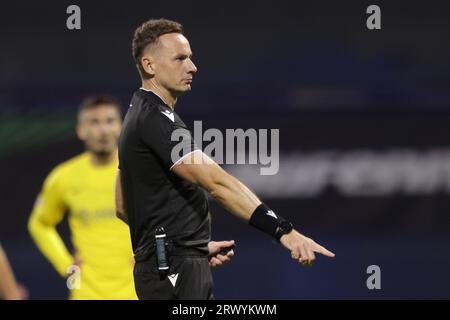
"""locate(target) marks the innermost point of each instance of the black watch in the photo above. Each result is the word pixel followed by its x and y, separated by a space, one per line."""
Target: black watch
pixel 283 228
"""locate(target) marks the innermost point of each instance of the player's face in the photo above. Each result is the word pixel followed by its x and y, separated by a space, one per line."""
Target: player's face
pixel 173 64
pixel 99 129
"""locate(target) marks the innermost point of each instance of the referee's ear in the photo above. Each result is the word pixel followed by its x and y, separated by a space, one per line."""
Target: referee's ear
pixel 148 64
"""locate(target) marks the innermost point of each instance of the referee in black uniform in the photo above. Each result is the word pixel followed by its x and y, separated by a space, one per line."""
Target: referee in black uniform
pixel 161 193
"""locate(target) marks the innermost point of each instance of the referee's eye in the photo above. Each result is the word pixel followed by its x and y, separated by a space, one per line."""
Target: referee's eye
pixel 181 57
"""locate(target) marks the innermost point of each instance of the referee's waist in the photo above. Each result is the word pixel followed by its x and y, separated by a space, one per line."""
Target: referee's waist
pixel 174 247
pixel 187 252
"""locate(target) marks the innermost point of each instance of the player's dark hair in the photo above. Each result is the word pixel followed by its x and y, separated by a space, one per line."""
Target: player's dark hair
pixel 148 34
pixel 92 102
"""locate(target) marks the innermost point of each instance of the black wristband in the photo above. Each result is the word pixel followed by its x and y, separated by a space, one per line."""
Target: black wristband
pixel 264 219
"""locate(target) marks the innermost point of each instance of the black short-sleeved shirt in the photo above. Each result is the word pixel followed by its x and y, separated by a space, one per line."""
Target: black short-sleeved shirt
pixel 153 195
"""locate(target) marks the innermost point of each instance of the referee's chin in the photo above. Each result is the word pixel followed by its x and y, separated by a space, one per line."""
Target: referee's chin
pixel 180 89
pixel 183 90
pixel 186 87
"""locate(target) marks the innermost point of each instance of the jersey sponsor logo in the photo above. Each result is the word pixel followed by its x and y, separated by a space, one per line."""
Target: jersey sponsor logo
pixel 272 214
pixel 169 115
pixel 87 216
pixel 173 279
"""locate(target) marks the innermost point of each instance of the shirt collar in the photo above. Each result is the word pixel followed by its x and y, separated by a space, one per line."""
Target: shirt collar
pixel 165 104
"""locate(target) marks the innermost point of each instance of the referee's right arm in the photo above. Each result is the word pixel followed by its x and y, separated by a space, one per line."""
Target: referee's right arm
pixel 238 199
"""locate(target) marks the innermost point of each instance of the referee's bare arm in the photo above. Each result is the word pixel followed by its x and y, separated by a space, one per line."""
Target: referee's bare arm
pixel 120 208
pixel 235 197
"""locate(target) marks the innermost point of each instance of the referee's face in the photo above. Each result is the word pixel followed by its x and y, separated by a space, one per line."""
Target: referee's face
pixel 173 66
pixel 99 129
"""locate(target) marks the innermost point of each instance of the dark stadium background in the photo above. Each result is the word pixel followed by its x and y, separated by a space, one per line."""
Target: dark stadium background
pixel 374 99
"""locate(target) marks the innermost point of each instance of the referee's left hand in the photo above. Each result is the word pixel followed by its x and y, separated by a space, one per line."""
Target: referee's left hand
pixel 303 248
pixel 215 258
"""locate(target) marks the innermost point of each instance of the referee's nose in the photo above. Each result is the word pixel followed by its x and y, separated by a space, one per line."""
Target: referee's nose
pixel 192 68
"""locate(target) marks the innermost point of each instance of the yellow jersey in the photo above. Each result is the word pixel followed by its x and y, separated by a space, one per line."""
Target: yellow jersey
pixel 102 242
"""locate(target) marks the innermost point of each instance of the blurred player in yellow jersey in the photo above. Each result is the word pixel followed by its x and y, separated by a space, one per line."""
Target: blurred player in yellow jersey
pixel 84 188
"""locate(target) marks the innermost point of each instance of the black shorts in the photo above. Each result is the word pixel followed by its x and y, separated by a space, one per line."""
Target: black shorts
pixel 188 278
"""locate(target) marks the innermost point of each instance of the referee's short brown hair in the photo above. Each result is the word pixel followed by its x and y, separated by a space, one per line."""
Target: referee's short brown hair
pixel 148 34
